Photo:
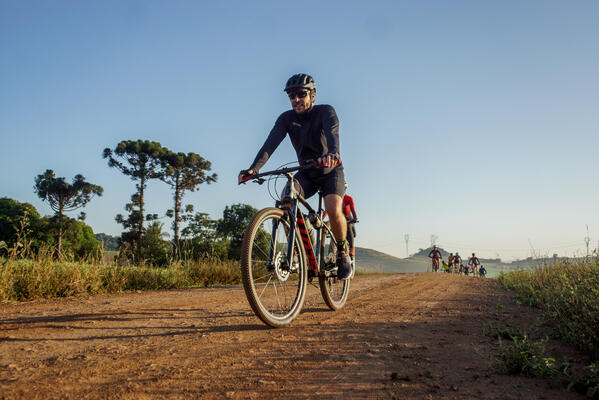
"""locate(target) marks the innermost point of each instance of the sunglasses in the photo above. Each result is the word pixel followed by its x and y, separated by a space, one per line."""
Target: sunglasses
pixel 299 94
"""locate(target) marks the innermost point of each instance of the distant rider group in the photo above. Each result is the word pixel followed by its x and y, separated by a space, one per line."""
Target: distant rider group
pixel 455 265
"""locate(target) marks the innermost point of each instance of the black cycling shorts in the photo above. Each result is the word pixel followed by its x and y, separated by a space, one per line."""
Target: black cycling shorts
pixel 308 183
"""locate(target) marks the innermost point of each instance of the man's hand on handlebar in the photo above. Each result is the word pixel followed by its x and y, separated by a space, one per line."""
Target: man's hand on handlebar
pixel 244 176
pixel 329 161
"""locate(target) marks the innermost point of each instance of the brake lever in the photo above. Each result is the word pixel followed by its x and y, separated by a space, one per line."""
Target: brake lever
pixel 260 181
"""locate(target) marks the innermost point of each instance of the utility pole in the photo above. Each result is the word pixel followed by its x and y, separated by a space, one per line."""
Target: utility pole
pixel 407 238
pixel 434 239
pixel 532 250
pixel 587 240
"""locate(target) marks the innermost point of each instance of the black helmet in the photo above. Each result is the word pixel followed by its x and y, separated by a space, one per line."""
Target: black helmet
pixel 304 81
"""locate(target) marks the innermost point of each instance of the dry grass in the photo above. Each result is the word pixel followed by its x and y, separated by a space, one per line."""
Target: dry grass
pixel 27 279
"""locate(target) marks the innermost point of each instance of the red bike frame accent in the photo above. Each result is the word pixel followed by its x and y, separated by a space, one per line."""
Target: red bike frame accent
pixel 307 244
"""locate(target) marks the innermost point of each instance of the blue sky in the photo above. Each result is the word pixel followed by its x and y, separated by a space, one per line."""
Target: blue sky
pixel 474 121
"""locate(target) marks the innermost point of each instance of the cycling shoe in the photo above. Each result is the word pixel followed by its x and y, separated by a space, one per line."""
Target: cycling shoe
pixel 343 266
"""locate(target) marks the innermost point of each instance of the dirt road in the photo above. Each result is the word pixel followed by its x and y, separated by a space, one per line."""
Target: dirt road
pixel 409 336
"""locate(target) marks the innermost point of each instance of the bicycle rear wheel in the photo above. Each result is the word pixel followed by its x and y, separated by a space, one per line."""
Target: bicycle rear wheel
pixel 274 289
pixel 334 291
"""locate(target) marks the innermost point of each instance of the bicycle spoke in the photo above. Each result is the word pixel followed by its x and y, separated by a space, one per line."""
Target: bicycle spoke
pixel 265 287
pixel 276 298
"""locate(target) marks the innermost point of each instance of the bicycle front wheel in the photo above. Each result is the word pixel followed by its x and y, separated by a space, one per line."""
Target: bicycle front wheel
pixel 274 289
pixel 334 291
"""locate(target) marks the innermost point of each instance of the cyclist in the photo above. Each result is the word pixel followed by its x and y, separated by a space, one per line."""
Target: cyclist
pixel 444 266
pixel 457 261
pixel 349 210
pixel 474 262
pixel 435 254
pixel 450 261
pixel 314 133
pixel 482 271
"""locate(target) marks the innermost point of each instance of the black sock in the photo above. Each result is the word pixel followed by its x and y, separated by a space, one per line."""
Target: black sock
pixel 341 246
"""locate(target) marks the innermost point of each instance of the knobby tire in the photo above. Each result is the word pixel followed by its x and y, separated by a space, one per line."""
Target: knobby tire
pixel 276 297
pixel 334 291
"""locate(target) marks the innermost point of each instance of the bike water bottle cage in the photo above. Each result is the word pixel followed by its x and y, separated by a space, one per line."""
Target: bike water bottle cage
pixel 314 220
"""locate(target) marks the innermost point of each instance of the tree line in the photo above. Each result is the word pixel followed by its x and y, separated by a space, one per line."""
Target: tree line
pixel 194 234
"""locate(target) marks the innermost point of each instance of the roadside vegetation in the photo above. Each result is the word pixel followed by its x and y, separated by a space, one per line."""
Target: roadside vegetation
pixel 28 279
pixel 568 294
pixel 57 256
pixel 525 353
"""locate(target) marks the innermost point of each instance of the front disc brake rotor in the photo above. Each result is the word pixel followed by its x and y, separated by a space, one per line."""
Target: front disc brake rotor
pixel 281 268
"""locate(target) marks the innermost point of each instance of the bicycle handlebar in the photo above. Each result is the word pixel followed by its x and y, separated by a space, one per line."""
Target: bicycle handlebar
pixel 282 171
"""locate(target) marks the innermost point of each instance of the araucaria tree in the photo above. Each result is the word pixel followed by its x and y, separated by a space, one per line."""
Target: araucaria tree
pixel 63 196
pixel 140 161
pixel 183 172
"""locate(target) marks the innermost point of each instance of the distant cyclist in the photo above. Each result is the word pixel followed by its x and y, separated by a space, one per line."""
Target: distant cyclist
pixel 349 210
pixel 444 266
pixel 457 261
pixel 314 133
pixel 474 262
pixel 482 271
pixel 450 261
pixel 435 254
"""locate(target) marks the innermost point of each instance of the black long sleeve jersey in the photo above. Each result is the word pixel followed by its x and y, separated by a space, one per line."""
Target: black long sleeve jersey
pixel 313 134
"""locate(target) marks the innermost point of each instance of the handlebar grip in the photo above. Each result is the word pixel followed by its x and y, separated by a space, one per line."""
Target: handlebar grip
pixel 245 176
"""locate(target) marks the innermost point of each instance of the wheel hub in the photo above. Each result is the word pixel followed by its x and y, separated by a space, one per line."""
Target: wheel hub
pixel 281 267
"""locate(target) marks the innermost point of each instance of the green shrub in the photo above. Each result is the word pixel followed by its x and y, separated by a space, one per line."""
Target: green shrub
pixel 522 355
pixel 568 294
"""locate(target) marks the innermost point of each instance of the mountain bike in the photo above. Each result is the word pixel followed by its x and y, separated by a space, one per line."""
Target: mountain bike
pixel 435 261
pixel 280 255
pixel 475 270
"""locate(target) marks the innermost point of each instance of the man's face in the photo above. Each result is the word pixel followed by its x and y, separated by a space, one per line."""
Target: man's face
pixel 301 100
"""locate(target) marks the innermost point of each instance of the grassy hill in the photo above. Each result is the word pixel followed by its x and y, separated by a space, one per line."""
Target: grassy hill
pixel 375 261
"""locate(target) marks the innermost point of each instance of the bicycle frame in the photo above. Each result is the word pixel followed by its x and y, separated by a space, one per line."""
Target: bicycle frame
pixel 295 198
